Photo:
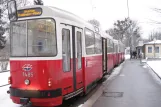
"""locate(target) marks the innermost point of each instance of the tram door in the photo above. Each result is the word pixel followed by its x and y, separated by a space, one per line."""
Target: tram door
pixel 104 55
pixel 72 58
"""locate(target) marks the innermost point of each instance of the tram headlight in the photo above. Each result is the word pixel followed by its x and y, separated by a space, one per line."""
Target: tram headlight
pixel 27 82
pixel 9 80
pixel 50 82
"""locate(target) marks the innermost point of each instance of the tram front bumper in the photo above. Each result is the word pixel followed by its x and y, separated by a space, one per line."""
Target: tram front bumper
pixel 36 97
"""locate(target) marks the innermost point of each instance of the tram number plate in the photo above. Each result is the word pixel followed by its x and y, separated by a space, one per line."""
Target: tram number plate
pixel 27 74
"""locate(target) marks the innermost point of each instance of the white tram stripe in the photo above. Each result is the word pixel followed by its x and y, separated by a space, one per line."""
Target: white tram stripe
pixel 35 58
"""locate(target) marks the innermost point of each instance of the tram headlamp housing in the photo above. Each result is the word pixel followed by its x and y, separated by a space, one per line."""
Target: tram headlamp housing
pixel 50 82
pixel 27 82
pixel 9 80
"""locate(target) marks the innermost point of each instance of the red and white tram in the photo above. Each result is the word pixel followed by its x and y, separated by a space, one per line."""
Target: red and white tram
pixel 121 52
pixel 56 55
pixel 110 53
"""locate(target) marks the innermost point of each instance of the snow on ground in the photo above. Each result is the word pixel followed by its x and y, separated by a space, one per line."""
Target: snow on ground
pixel 4 76
pixel 127 56
pixel 156 66
pixel 5 100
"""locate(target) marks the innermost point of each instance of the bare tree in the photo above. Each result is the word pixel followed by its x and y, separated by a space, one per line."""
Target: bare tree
pixel 4 26
pixel 4 22
pixel 38 2
pixel 155 34
pixel 94 22
pixel 126 30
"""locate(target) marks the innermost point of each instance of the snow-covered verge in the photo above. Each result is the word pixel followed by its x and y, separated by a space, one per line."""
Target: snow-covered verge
pixel 156 66
pixel 5 100
pixel 4 76
pixel 127 56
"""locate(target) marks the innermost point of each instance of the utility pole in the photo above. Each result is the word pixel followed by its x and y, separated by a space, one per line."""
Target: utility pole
pixel 131 35
pixel 128 8
pixel 93 7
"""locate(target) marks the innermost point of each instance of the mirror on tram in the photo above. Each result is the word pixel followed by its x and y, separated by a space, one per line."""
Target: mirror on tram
pixel 12 10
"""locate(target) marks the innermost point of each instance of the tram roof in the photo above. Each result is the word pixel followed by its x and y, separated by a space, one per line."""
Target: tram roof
pixel 53 11
pixel 105 35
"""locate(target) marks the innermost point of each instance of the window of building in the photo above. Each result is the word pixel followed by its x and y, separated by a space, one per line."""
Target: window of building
pixel 156 49
pixel 149 49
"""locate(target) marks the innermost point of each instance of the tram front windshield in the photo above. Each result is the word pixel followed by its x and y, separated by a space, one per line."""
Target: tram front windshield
pixel 35 37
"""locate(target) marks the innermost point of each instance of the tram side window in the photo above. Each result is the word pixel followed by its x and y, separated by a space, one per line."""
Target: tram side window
pixel 79 49
pixel 98 44
pixel 114 47
pixel 89 41
pixel 109 46
pixel 66 49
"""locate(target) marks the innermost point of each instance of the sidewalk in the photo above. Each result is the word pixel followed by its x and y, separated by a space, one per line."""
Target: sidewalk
pixel 134 87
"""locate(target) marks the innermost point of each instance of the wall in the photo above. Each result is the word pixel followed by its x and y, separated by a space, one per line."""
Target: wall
pixel 153 54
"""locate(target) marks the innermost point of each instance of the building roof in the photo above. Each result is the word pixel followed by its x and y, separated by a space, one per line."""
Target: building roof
pixel 153 42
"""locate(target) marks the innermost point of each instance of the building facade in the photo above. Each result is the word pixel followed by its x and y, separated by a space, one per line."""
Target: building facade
pixel 152 49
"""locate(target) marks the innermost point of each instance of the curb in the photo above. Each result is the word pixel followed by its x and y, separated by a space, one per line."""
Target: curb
pixel 153 71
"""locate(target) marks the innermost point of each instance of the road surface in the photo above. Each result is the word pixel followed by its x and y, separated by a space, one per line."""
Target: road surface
pixel 135 86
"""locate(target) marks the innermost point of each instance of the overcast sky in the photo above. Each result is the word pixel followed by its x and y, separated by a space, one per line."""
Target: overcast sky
pixel 108 11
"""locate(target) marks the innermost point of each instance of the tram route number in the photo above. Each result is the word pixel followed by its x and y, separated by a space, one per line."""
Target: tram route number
pixel 29 12
pixel 28 74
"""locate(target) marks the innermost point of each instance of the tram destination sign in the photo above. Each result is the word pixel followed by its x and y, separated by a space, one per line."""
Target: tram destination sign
pixel 29 12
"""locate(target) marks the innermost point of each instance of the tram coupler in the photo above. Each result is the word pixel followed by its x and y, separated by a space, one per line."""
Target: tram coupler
pixel 24 101
pixel 29 104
